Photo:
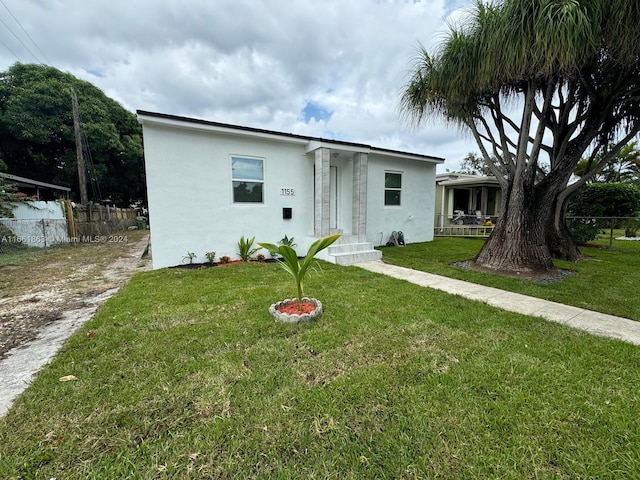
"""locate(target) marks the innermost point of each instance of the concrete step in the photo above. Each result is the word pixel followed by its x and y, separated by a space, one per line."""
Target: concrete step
pixel 347 239
pixel 349 247
pixel 352 258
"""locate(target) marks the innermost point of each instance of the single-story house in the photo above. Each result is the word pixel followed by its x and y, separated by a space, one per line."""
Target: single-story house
pixel 211 183
pixel 40 191
pixel 463 199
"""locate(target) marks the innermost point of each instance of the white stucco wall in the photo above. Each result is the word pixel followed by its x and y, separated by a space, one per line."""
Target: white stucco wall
pixel 190 193
pixel 414 217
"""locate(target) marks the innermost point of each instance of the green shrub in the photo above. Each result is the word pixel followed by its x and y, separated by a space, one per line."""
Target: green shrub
pixel 583 230
pixel 606 200
pixel 601 200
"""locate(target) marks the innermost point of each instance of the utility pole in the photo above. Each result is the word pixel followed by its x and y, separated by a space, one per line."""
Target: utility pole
pixel 82 178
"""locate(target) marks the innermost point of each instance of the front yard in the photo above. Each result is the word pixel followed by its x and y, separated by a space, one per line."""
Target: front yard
pixel 605 280
pixel 185 375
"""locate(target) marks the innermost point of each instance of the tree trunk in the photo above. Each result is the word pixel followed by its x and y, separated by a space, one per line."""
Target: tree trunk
pixel 559 239
pixel 518 244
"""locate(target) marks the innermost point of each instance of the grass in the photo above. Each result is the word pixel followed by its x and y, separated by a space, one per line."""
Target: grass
pixel 604 281
pixel 185 375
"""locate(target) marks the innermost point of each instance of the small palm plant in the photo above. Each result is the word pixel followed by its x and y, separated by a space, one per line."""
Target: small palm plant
pixel 244 248
pixel 299 269
pixel 190 256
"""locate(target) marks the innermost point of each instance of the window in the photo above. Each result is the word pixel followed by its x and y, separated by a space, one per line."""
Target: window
pixel 392 188
pixel 247 176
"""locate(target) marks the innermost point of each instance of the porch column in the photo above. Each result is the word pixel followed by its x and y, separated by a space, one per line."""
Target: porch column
pixel 359 212
pixel 483 201
pixel 321 200
pixel 451 201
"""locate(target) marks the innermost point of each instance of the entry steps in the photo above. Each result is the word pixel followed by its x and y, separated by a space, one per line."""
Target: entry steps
pixel 348 251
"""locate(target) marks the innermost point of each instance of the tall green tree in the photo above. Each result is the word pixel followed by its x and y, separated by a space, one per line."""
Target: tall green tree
pixel 474 164
pixel 536 82
pixel 37 139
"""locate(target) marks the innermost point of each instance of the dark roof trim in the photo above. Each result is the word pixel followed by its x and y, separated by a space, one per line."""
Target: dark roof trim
pixel 282 134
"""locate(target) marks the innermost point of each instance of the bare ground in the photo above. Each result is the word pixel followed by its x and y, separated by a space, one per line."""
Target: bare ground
pixel 41 286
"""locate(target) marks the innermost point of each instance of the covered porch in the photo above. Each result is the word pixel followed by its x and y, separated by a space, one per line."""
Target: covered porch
pixel 340 200
pixel 467 205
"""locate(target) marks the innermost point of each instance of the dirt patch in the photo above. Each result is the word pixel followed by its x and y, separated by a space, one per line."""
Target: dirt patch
pixel 38 293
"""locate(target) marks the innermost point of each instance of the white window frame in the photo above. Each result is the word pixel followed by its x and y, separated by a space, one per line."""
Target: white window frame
pixel 247 178
pixel 395 189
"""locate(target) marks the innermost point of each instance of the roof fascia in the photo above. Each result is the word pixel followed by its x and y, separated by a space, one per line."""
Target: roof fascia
pixel 216 128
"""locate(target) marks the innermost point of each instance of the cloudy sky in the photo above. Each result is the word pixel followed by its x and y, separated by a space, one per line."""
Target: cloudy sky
pixel 328 68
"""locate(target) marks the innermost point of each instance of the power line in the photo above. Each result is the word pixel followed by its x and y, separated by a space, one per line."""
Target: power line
pixel 27 34
pixel 10 51
pixel 19 40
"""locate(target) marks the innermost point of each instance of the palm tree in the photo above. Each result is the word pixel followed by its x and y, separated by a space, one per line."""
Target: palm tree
pixel 537 83
pixel 623 168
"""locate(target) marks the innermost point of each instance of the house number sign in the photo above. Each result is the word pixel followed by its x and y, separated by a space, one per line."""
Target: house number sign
pixel 287 192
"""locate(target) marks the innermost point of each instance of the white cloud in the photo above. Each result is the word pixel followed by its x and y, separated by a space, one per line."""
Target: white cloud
pixel 252 63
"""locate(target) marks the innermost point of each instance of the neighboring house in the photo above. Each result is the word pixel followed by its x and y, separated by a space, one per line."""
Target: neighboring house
pixel 210 183
pixel 463 199
pixel 38 222
pixel 37 190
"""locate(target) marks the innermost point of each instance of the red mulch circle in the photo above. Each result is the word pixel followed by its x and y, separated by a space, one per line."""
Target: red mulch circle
pixel 292 307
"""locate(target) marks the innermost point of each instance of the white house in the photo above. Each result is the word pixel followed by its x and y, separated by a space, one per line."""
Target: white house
pixel 210 183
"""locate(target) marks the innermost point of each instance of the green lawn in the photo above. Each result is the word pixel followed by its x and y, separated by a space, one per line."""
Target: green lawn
pixel 185 375
pixel 605 281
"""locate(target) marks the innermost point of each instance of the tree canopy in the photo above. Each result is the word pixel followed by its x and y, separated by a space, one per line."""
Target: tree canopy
pixel 7 194
pixel 537 83
pixel 473 164
pixel 37 139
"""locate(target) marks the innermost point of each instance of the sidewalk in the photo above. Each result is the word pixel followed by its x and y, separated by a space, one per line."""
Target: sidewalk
pixel 587 320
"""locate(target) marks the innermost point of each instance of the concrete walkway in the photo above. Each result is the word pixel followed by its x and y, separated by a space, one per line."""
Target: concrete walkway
pixel 587 320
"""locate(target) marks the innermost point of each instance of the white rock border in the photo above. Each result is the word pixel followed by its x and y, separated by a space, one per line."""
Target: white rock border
pixel 295 318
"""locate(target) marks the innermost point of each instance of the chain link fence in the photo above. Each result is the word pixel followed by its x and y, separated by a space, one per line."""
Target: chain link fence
pixel 585 229
pixel 19 235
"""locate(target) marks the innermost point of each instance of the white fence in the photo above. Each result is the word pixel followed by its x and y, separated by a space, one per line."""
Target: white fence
pixel 35 224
